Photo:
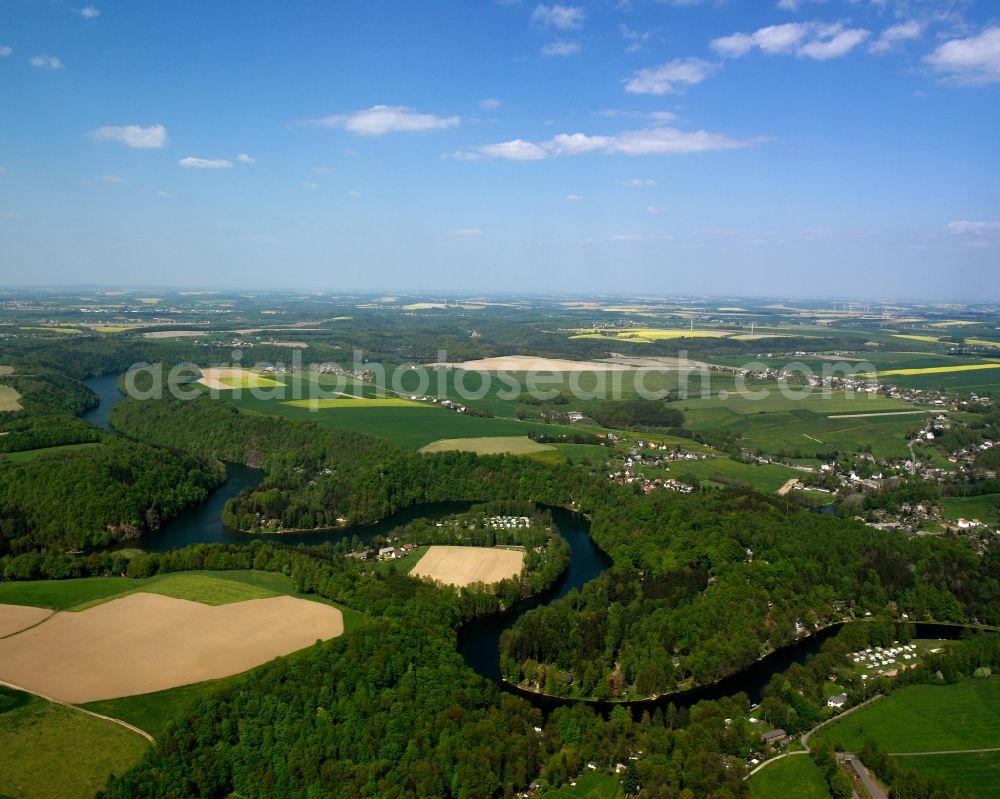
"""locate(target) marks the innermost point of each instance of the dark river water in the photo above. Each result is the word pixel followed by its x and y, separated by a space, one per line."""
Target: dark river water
pixel 478 640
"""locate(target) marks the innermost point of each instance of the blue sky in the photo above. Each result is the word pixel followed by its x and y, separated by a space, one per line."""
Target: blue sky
pixel 800 147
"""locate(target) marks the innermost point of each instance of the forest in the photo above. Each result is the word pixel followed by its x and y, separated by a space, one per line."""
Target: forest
pixel 703 585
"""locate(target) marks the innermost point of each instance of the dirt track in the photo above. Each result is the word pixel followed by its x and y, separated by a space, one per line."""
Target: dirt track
pixel 146 642
pixel 467 565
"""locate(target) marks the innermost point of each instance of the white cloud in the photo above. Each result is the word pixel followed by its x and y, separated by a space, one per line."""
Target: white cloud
pixel 112 179
pixel 573 198
pixel 795 5
pixel 308 184
pixel 243 158
pixel 635 38
pixel 489 104
pixel 467 231
pixel 89 12
pixel 639 182
pixel 5 50
pixel 381 119
pixel 971 61
pixel 515 150
pixel 642 237
pixel 205 163
pixel 45 62
pixel 667 77
pixel 354 193
pixel 152 138
pixel 164 194
pixel 839 44
pixel 564 18
pixel 965 228
pixel 325 170
pixel 650 141
pixel 904 31
pixel 815 40
pixel 652 209
pixel 561 48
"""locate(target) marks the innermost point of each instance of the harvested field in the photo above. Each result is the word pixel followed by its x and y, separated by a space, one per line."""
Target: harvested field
pixel 146 642
pixel 529 363
pixel 17 617
pixel 488 445
pixel 466 565
pixel 9 399
pixel 225 378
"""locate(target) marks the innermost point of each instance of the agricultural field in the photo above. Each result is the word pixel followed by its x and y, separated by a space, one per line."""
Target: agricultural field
pixel 225 378
pixel 766 478
pixel 55 752
pixel 151 712
pixel 489 445
pixel 804 428
pixel 984 507
pixel 24 456
pixel 411 426
pixel 926 718
pixel 6 370
pixel 147 642
pixel 645 335
pixel 589 786
pixel 973 772
pixel 791 776
pixel 402 565
pixel 9 399
pixel 460 566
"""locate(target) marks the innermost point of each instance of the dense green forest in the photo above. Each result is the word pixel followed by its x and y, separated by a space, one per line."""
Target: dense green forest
pixel 317 477
pixel 705 584
pixel 90 497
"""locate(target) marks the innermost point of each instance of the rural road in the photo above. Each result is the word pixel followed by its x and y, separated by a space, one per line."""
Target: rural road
pixel 866 779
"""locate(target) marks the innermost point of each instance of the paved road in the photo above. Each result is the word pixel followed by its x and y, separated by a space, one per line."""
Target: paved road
pixel 854 762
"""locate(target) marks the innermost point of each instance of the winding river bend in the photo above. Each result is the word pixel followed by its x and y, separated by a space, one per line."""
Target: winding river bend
pixel 479 640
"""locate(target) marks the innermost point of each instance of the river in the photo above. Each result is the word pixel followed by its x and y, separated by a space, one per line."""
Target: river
pixel 479 641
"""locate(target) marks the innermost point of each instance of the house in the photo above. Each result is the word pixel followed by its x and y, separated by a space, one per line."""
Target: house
pixel 773 736
pixel 389 553
pixel 837 701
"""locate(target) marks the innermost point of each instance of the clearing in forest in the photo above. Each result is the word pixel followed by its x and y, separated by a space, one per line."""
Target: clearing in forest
pixel 146 642
pixel 466 565
pixel 9 399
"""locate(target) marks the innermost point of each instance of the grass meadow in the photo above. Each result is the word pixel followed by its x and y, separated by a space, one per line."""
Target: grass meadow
pixel 795 776
pixel 589 786
pixel 54 752
pixel 926 718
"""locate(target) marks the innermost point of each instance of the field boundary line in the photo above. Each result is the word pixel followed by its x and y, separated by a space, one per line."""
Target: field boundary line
pixel 71 706
pixel 945 752
pixel 876 413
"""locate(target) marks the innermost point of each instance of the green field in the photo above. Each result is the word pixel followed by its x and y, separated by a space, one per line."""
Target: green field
pixel 767 478
pixel 151 712
pixel 489 445
pixel 249 381
pixel 796 776
pixel 53 752
pixel 589 786
pixel 977 773
pixel 926 718
pixel 983 507
pixel 354 403
pixel 28 455
pixel 803 427
pixel 411 426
